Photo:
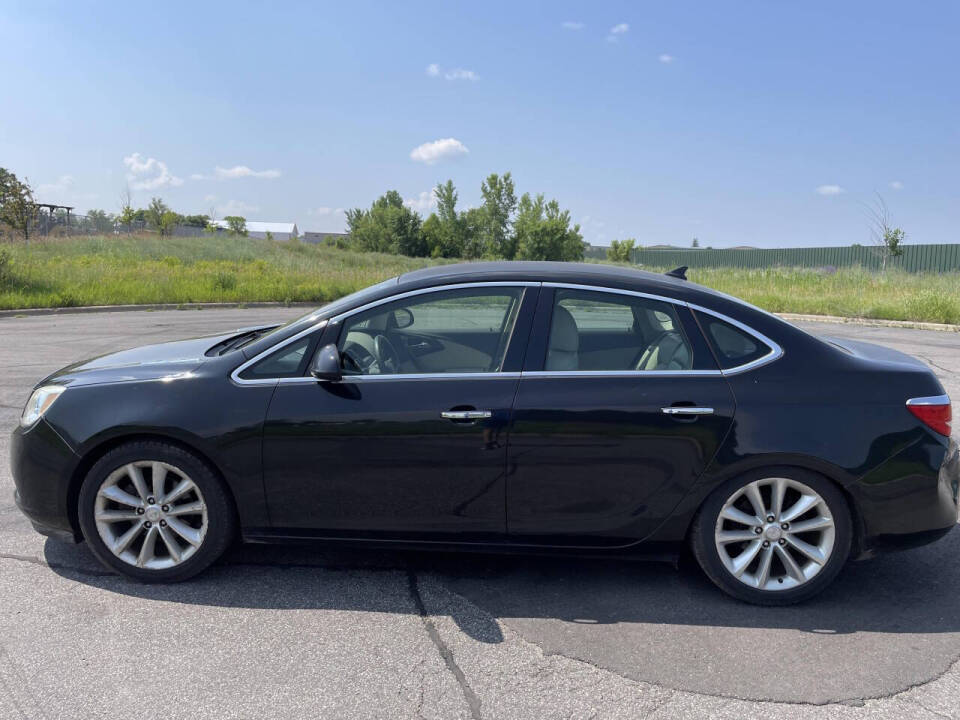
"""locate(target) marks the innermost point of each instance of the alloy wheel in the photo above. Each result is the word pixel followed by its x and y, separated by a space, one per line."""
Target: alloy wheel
pixel 775 534
pixel 151 515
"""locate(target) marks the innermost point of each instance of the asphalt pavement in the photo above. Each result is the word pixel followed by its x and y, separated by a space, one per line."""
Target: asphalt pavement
pixel 273 632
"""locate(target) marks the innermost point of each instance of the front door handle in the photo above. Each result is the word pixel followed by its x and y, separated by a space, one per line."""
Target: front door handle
pixel 466 414
pixel 675 410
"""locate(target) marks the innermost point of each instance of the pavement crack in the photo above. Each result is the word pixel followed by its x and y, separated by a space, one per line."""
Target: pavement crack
pixel 473 702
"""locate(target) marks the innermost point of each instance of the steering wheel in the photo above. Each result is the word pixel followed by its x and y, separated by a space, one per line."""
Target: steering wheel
pixel 387 357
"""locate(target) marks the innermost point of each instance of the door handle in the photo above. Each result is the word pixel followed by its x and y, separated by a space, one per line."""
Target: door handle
pixel 675 410
pixel 466 414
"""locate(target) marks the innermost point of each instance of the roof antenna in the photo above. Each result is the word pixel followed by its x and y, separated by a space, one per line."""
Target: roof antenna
pixel 680 272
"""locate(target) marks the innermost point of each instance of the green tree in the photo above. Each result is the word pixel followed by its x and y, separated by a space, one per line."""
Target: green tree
pixel 160 217
pixel 543 232
pixel 388 226
pixel 268 235
pixel 499 204
pixel 127 213
pixel 99 221
pixel 621 250
pixel 17 208
pixel 236 224
pixel 199 221
pixel 695 243
pixel 888 239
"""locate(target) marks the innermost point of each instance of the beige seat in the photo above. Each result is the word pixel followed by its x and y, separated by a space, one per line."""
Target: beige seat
pixel 564 350
pixel 667 352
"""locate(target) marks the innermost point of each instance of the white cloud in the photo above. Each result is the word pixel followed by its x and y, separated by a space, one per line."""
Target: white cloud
pixel 62 185
pixel 616 31
pixel 434 70
pixel 571 25
pixel 236 207
pixel 432 152
pixel 325 211
pixel 665 59
pixel 241 171
pixel 461 74
pixel 896 185
pixel 425 201
pixel 198 176
pixel 830 190
pixel 149 174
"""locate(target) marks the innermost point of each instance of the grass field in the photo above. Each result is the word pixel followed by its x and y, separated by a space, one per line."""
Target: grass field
pixel 139 270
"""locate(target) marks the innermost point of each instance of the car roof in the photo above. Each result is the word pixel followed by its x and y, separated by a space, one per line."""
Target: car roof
pixel 595 274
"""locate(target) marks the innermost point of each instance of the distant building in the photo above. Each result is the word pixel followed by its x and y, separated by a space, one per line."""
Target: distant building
pixel 278 230
pixel 310 236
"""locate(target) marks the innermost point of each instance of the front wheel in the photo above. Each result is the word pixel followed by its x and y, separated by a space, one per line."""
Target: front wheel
pixel 773 537
pixel 155 512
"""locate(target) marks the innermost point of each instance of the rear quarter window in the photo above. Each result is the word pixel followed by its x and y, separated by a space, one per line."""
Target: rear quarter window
pixel 732 346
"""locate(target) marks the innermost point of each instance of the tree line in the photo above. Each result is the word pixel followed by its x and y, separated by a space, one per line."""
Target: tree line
pixel 502 227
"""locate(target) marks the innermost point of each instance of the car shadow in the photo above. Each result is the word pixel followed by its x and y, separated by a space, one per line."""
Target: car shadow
pixel 910 592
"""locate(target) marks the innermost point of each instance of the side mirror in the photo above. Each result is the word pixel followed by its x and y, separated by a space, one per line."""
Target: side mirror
pixel 326 364
pixel 402 318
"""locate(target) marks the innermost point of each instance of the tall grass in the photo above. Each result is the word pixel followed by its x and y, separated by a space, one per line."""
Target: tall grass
pixel 110 270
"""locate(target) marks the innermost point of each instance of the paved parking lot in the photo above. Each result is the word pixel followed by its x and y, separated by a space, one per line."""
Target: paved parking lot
pixel 290 632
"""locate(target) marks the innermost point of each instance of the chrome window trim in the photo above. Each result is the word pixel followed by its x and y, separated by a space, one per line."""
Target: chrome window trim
pixel 235 375
pixel 930 400
pixel 776 351
pixel 434 288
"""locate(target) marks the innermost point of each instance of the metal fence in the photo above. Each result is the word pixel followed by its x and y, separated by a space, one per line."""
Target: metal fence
pixel 915 258
pixel 60 224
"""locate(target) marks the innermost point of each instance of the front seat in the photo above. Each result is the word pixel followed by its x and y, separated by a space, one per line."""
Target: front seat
pixel 564 350
pixel 667 352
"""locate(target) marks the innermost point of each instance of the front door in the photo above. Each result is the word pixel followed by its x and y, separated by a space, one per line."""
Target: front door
pixel 412 443
pixel 615 419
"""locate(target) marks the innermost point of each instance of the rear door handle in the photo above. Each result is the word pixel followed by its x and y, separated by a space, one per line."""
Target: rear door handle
pixel 466 414
pixel 674 410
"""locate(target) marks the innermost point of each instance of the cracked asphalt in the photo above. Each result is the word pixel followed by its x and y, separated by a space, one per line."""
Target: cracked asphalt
pixel 275 632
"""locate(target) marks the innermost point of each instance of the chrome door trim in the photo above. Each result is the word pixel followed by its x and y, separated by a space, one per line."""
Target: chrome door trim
pixel 930 400
pixel 466 414
pixel 535 374
pixel 776 352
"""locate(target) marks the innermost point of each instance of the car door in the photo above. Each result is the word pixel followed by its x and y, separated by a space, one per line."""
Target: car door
pixel 620 409
pixel 412 442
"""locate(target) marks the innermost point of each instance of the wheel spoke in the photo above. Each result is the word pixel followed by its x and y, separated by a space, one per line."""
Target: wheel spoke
pixel 136 476
pixel 793 570
pixel 120 497
pixel 817 523
pixel 147 550
pixel 807 549
pixel 777 492
pixel 193 508
pixel 738 516
pixel 742 560
pixel 112 516
pixel 763 571
pixel 172 546
pixel 123 542
pixel 732 536
pixel 188 533
pixel 805 504
pixel 182 488
pixel 752 491
pixel 158 476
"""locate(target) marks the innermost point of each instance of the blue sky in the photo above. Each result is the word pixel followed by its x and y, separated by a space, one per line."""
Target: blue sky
pixel 760 123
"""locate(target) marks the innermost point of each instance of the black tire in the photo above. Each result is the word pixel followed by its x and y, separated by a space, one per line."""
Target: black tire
pixel 704 548
pixel 221 514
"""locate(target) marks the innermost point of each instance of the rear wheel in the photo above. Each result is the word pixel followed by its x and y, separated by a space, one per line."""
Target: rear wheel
pixel 773 537
pixel 155 512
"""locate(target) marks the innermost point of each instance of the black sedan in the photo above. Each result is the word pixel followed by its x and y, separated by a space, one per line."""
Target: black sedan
pixel 542 407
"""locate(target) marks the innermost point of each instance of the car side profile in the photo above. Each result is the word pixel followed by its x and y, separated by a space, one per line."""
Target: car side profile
pixel 522 406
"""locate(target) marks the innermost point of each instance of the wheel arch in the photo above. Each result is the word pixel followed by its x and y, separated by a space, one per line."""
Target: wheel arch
pixel 93 454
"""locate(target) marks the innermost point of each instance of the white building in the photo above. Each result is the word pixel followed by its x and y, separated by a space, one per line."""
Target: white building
pixel 278 230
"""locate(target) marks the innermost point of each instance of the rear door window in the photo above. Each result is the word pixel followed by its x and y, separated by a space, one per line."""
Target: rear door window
pixel 733 347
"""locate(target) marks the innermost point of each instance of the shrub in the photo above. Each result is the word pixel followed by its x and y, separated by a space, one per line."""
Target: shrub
pixel 225 281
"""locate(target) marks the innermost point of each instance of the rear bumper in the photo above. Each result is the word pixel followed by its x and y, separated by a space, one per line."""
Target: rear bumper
pixel 911 500
pixel 42 464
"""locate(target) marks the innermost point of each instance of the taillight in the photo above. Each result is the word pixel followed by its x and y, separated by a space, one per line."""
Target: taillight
pixel 934 412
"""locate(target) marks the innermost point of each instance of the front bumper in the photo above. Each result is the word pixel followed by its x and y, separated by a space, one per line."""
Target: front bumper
pixel 42 465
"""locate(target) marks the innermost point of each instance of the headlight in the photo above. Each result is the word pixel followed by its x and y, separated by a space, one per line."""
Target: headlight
pixel 39 403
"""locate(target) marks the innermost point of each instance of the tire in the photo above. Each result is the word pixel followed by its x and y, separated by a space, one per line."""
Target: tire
pixel 724 544
pixel 191 524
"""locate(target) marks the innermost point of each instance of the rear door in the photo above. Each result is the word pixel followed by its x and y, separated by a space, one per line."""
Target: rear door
pixel 619 410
